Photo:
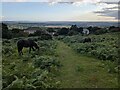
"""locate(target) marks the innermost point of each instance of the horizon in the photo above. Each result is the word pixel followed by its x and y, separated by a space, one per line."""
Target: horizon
pixel 61 23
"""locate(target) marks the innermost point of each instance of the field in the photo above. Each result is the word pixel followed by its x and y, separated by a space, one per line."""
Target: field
pixel 64 62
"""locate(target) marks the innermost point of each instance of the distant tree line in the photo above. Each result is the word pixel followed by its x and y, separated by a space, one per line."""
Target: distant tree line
pixel 43 34
pixel 49 32
pixel 5 32
pixel 73 30
pixel 8 34
pixel 15 32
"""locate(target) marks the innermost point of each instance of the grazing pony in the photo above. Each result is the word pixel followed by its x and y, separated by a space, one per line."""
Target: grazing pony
pixel 26 43
pixel 86 40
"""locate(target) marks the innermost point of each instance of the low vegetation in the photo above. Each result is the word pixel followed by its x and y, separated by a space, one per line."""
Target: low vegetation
pixel 64 57
pixel 35 70
pixel 104 47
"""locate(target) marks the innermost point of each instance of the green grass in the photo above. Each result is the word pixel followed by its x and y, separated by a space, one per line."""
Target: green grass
pixel 83 72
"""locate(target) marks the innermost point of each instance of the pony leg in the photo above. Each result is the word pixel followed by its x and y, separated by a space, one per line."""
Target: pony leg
pixel 20 51
pixel 33 49
pixel 29 49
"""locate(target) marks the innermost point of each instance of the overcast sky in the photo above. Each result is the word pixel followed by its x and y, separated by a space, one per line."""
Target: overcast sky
pixel 59 10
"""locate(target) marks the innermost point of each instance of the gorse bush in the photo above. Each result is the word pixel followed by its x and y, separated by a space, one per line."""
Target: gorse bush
pixel 111 67
pixel 39 80
pixel 45 62
pixel 47 47
pixel 5 41
pixel 8 51
pixel 100 51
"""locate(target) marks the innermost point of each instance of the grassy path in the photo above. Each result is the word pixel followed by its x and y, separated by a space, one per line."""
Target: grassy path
pixel 82 72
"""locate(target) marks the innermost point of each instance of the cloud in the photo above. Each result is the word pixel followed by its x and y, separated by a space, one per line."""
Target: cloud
pixel 67 1
pixel 110 8
pixel 74 2
pixel 107 8
pixel 24 0
pixel 14 0
pixel 108 12
pixel 54 1
pixel 109 1
pixel 113 8
pixel 1 18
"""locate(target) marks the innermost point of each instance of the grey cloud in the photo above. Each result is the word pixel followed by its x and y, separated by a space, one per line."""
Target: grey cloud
pixel 110 2
pixel 110 13
pixel 116 7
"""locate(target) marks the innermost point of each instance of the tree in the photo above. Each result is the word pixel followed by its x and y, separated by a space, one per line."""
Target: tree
pixel 93 29
pixel 101 31
pixel 50 30
pixel 5 32
pixel 111 27
pixel 15 30
pixel 114 29
pixel 63 31
pixel 19 33
pixel 39 32
pixel 74 27
pixel 72 32
pixel 43 34
pixel 80 29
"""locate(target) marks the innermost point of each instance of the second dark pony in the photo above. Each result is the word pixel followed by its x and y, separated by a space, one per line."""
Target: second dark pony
pixel 26 43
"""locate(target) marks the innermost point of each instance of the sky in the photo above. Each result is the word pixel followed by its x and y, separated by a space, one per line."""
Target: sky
pixel 59 10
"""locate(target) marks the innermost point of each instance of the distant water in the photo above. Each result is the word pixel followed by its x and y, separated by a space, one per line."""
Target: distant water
pixel 60 23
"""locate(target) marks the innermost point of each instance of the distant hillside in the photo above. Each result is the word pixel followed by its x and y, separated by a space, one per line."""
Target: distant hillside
pixel 26 24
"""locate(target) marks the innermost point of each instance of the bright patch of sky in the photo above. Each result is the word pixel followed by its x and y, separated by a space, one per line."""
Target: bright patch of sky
pixel 1 11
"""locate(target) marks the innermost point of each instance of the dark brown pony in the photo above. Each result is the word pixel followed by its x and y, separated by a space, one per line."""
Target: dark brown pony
pixel 26 43
pixel 87 39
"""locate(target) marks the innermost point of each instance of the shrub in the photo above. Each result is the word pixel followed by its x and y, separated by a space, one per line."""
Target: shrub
pixel 103 47
pixel 45 62
pixel 8 50
pixel 63 31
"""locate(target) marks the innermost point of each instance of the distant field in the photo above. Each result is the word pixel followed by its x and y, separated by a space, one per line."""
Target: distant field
pixel 21 25
pixel 57 26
